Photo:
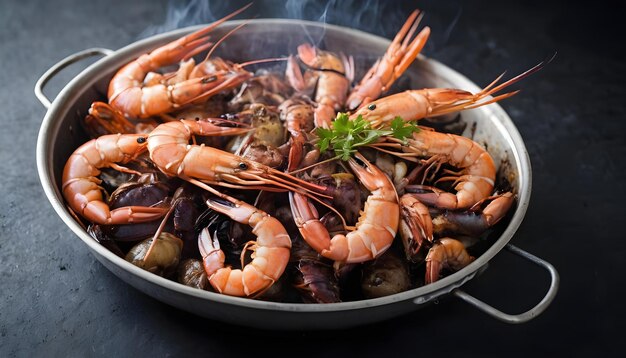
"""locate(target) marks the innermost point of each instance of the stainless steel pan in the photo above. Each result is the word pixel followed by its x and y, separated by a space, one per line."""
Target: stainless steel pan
pixel 61 133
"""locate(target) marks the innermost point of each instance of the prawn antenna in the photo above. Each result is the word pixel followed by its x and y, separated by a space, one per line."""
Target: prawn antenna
pixel 265 60
pixel 313 165
pixel 208 55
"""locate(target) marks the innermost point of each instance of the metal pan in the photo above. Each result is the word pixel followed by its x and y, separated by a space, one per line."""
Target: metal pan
pixel 61 133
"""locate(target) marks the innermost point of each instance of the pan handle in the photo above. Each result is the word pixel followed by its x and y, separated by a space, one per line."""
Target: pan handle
pixel 528 315
pixel 41 82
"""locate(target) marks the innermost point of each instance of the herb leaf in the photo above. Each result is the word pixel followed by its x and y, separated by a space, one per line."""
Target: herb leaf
pixel 325 135
pixel 402 129
pixel 345 134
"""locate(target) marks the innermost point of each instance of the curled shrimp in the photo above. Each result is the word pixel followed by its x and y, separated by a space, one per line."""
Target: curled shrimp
pixel 129 93
pixel 297 113
pixel 270 251
pixel 416 227
pixel 81 187
pixel 446 253
pixel 375 229
pixel 473 182
pixel 431 102
pixel 400 54
pixel 333 80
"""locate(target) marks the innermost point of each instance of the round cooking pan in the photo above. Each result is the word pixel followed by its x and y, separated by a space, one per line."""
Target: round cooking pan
pixel 61 133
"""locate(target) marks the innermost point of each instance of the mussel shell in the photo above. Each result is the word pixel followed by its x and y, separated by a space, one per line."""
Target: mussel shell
pixel 136 194
pixel 316 281
pixel 191 273
pixel 163 258
pixel 384 276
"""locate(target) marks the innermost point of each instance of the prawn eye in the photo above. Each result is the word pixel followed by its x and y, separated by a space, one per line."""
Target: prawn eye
pixel 141 140
pixel 371 107
pixel 243 166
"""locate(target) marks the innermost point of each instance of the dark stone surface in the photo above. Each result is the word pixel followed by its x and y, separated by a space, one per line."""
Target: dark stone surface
pixel 57 300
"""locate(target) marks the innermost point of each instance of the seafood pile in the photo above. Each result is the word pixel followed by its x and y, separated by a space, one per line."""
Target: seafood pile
pixel 290 185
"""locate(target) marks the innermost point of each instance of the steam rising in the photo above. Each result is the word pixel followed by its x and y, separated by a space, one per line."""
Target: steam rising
pixel 380 17
pixel 375 16
pixel 195 12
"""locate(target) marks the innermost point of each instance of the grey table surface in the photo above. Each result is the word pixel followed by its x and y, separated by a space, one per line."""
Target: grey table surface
pixel 57 300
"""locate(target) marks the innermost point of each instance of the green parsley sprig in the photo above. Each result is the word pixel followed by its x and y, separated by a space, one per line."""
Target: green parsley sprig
pixel 346 135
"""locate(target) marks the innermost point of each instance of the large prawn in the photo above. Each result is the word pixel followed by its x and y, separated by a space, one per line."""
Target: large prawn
pixel 473 182
pixel 81 187
pixel 129 92
pixel 171 152
pixel 375 229
pixel 400 54
pixel 412 105
pixel 270 250
pixel 333 76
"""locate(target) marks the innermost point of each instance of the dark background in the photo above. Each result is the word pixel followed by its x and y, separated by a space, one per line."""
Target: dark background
pixel 57 300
